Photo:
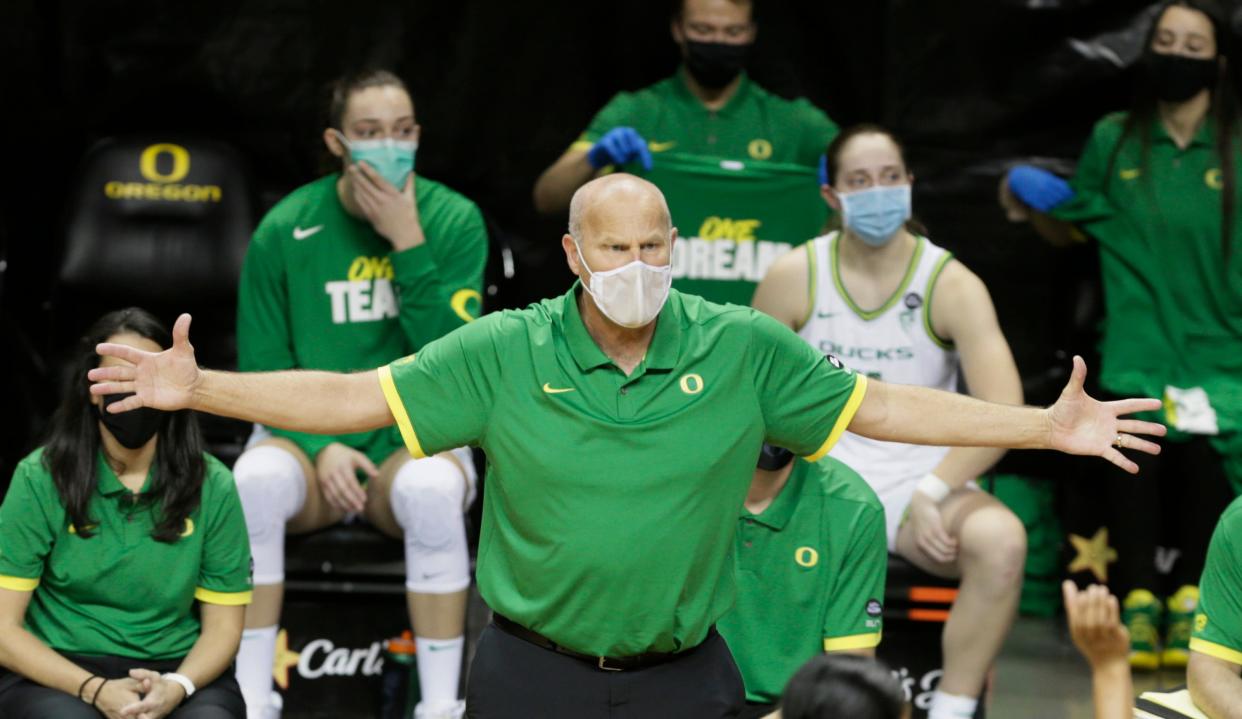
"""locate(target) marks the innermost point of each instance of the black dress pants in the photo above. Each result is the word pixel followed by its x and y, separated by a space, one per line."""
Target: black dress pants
pixel 511 677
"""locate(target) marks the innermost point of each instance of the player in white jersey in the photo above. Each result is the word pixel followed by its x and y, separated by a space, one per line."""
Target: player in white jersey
pixel 889 303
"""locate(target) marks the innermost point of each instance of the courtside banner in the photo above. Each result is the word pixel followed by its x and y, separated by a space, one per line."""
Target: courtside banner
pixel 734 219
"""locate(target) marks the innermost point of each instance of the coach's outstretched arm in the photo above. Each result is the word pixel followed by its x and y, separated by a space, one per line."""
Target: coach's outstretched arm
pixel 303 401
pixel 1076 424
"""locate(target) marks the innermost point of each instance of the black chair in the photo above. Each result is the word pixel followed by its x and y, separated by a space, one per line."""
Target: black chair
pixel 162 222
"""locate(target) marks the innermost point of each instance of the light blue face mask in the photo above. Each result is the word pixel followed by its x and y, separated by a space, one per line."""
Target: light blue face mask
pixel 392 159
pixel 876 214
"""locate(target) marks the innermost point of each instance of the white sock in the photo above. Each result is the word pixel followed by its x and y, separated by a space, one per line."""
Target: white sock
pixel 439 670
pixel 255 658
pixel 951 706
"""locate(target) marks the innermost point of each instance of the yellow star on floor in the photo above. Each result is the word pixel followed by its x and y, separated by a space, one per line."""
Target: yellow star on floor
pixel 284 660
pixel 1093 554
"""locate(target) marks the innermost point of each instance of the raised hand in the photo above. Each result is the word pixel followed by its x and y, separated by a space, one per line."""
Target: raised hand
pixel 164 380
pixel 1082 425
pixel 1095 624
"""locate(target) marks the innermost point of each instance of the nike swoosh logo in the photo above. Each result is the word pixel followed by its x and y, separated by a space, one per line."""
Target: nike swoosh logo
pixel 553 390
pixel 660 146
pixel 1130 173
pixel 825 315
pixel 301 234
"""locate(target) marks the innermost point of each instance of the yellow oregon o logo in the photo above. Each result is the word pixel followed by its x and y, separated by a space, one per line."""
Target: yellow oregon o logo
pixel 691 384
pixel 1201 621
pixel 806 557
pixel 189 527
pixel 759 149
pixel 180 162
pixel 459 301
pixel 1212 179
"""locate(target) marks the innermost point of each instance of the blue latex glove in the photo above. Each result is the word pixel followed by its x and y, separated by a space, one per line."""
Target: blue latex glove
pixel 1038 189
pixel 619 146
pixel 823 169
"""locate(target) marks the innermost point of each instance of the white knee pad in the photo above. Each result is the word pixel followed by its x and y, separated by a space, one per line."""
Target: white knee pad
pixel 428 500
pixel 273 489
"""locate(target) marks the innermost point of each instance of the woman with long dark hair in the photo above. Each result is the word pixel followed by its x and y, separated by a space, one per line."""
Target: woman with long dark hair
pixel 1157 188
pixel 124 560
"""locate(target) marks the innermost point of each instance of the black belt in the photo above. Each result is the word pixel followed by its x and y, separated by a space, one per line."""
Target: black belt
pixel 608 664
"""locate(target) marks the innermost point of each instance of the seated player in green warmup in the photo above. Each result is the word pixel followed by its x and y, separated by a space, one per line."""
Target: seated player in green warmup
pixel 1157 188
pixel 811 559
pixel 1215 670
pixel 124 563
pixel 353 270
pixel 710 108
pixel 621 423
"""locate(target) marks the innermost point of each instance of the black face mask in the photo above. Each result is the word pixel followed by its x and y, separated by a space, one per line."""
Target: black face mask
pixel 1176 78
pixel 132 429
pixel 774 458
pixel 714 64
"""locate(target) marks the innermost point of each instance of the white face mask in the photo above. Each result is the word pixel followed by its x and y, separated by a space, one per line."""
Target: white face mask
pixel 631 295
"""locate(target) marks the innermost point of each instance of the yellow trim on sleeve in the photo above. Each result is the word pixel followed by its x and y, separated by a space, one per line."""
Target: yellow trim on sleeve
pixel 18 584
pixel 844 419
pixel 1212 649
pixel 855 641
pixel 397 407
pixel 582 145
pixel 228 599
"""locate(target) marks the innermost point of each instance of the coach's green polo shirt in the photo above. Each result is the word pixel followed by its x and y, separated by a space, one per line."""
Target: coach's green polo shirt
pixel 810 576
pixel 120 592
pixel 612 501
pixel 1218 623
pixel 1173 302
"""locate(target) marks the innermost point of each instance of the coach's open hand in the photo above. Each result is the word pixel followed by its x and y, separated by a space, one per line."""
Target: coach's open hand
pixel 164 380
pixel 1079 424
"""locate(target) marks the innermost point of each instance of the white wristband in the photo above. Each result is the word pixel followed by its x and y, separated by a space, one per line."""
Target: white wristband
pixel 181 679
pixel 934 487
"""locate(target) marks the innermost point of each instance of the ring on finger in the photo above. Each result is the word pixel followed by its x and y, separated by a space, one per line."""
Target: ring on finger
pixel 1117 442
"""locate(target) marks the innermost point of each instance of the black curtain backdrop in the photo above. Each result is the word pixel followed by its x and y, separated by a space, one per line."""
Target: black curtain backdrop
pixel 501 88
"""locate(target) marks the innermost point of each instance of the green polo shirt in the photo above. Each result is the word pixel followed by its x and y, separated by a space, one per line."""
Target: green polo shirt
pixel 810 576
pixel 753 125
pixel 612 501
pixel 120 592
pixel 736 218
pixel 1218 622
pixel 1173 304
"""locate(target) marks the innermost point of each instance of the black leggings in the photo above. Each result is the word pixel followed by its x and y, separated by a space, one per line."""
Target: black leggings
pixel 21 698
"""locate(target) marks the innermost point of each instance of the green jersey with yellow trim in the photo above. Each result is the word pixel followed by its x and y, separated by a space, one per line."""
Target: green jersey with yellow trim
pixel 1218 622
pixel 120 592
pixel 612 500
pixel 739 216
pixel 810 576
pixel 1165 328
pixel 321 289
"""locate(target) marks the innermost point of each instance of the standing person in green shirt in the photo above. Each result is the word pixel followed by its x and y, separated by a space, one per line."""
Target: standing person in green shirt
pixel 621 423
pixel 1215 671
pixel 811 559
pixel 1158 190
pixel 354 270
pixel 124 564
pixel 708 111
